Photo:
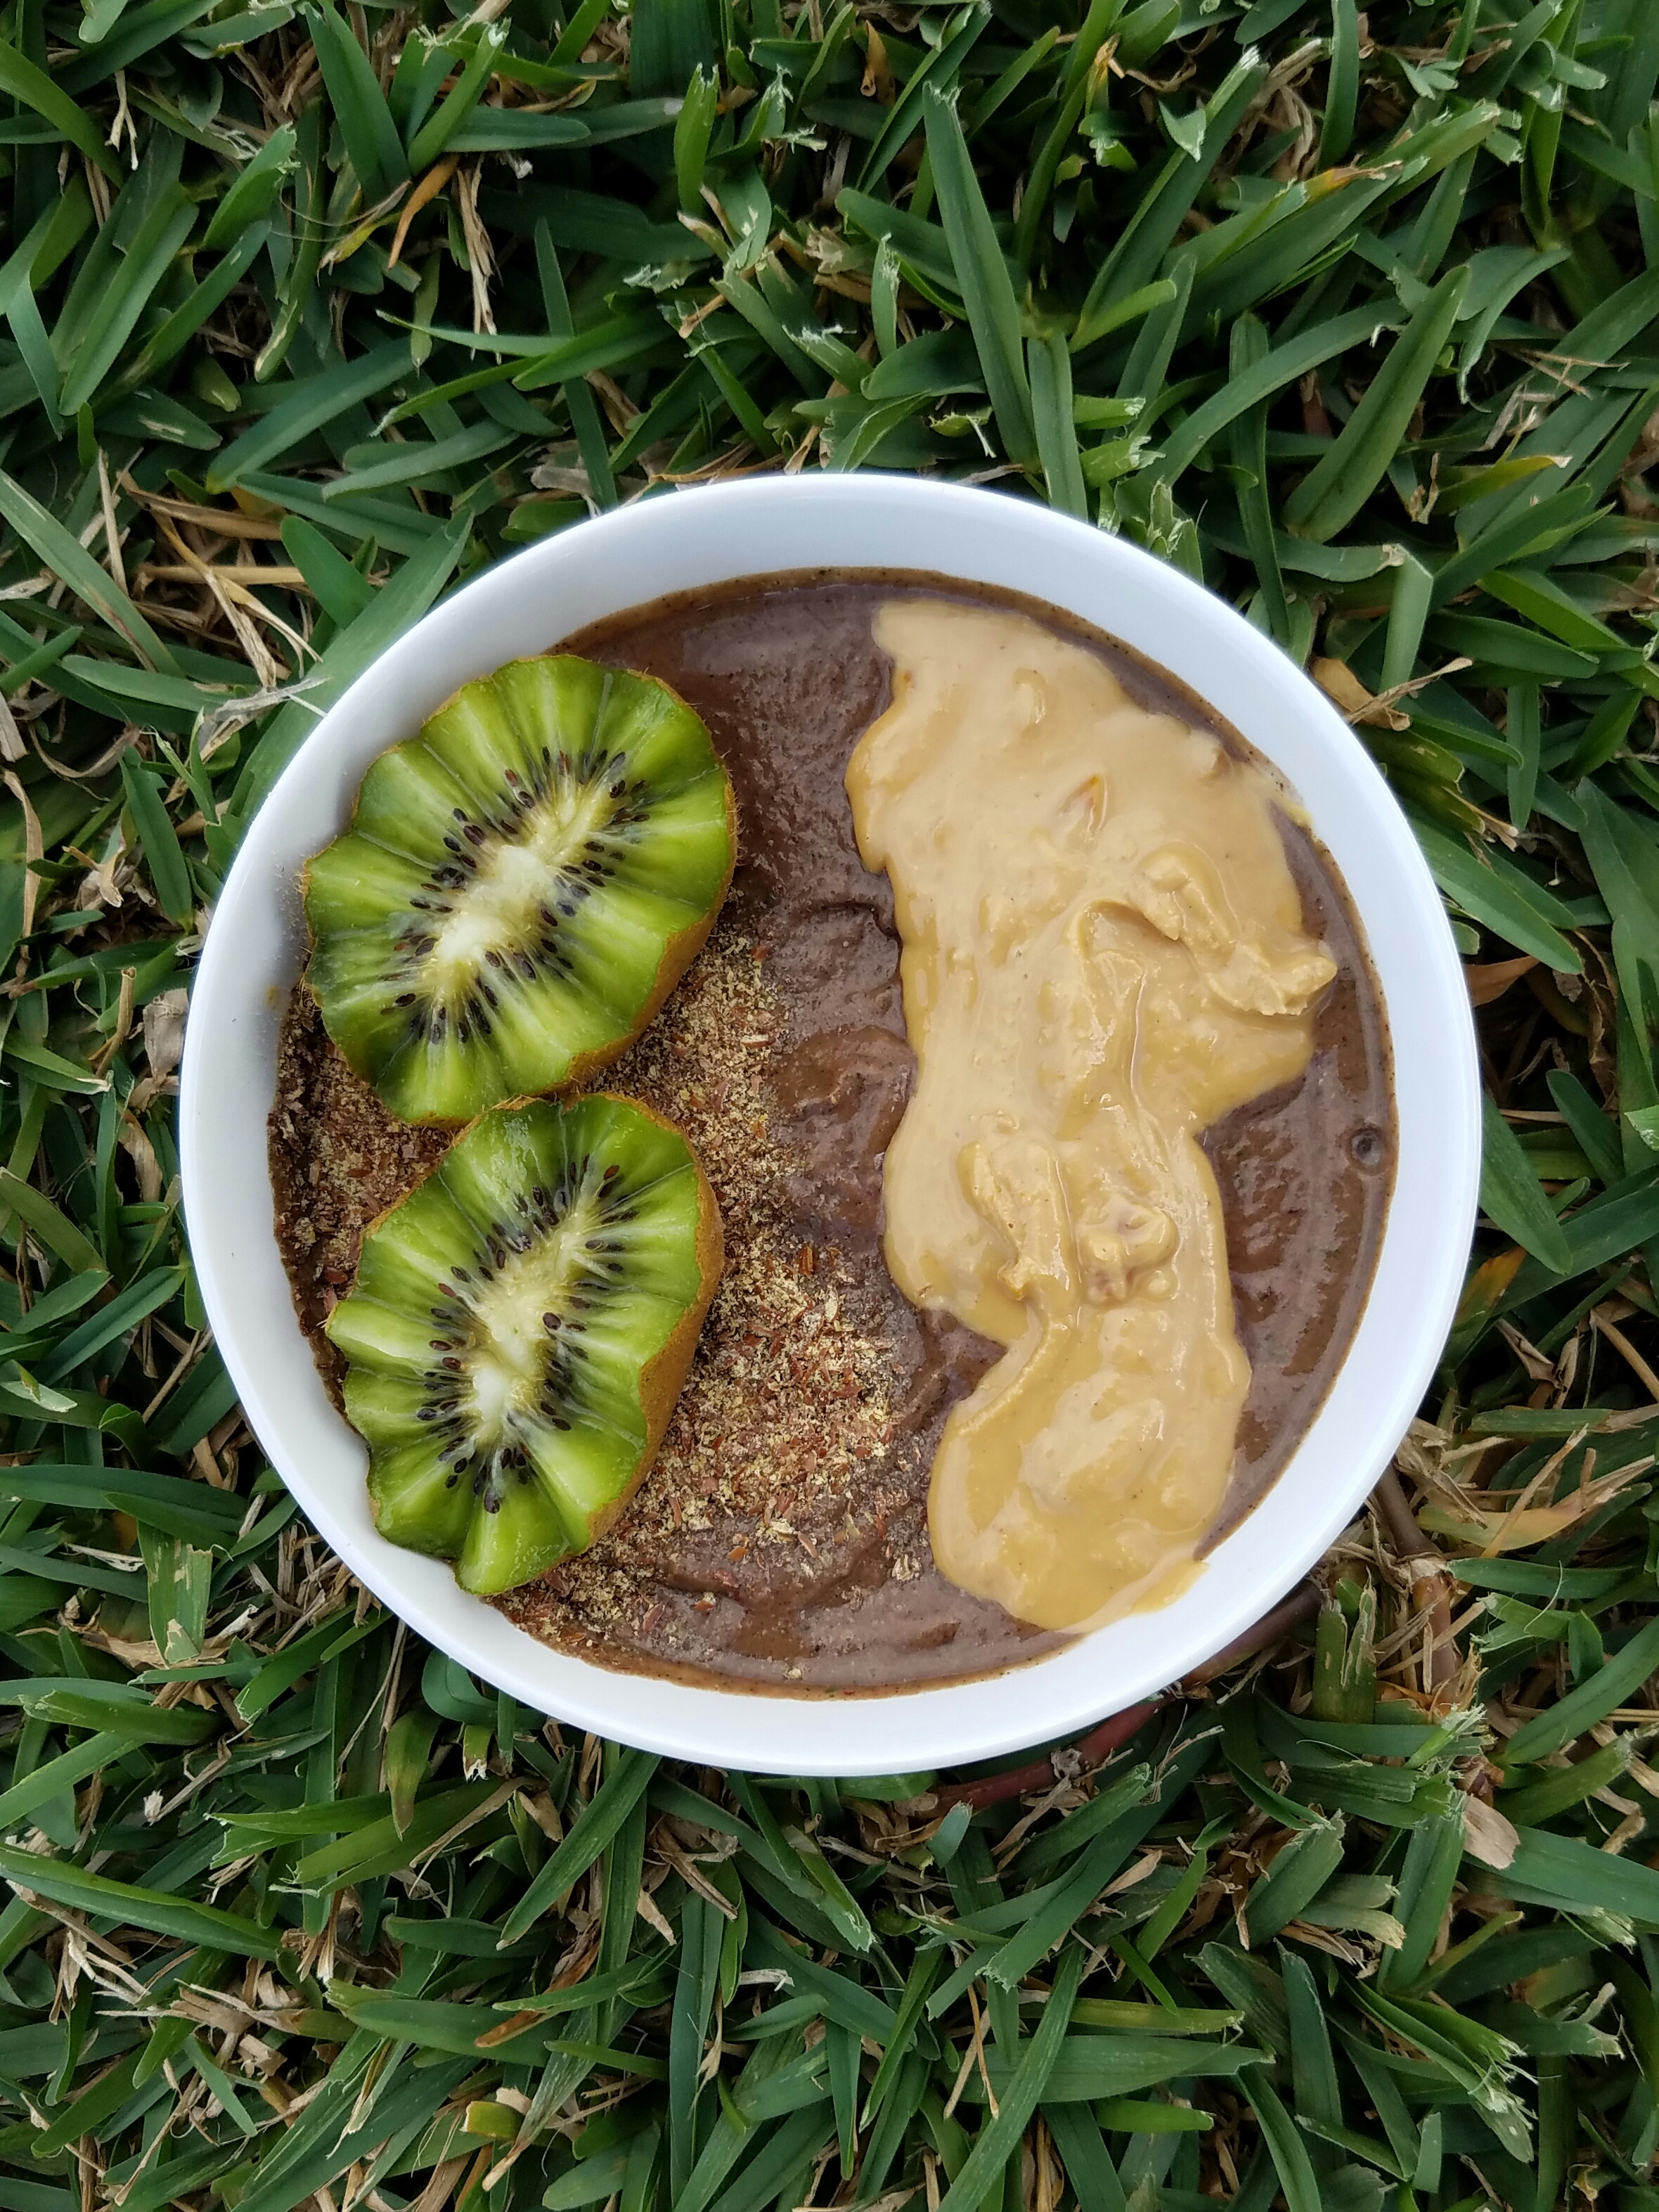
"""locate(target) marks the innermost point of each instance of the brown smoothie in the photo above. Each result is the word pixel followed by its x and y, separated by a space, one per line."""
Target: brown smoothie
pixel 779 1540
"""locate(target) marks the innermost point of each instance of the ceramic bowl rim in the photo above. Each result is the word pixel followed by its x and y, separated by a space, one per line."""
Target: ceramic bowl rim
pixel 618 559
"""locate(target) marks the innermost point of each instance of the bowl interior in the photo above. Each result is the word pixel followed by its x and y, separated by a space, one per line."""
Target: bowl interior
pixel 762 527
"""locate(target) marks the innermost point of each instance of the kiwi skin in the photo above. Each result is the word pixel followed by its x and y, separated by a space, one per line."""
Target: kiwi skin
pixel 663 1377
pixel 678 952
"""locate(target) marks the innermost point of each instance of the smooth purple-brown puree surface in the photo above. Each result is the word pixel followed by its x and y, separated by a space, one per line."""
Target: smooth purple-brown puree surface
pixel 780 1538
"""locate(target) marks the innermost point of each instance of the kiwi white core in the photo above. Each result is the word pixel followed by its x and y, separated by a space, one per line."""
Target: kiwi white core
pixel 508 1358
pixel 497 909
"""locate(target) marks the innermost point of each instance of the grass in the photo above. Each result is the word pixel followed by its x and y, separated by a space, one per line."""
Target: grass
pixel 310 312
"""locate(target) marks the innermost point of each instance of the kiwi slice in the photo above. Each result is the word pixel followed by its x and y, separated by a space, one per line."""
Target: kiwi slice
pixel 522 885
pixel 520 1329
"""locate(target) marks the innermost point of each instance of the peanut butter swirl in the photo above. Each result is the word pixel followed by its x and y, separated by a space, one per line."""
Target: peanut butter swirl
pixel 1103 953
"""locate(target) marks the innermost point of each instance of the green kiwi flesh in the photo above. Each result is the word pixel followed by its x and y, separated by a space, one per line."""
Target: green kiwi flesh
pixel 519 1330
pixel 523 884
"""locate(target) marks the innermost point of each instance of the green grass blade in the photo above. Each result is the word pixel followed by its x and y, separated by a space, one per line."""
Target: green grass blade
pixel 598 1821
pixel 169 339
pixel 133 1907
pixel 1511 1195
pixel 68 559
pixel 1134 260
pixel 1267 375
pixel 418 461
pixel 167 862
pixel 459 102
pixel 1582 1708
pixel 936 78
pixel 21 78
pixel 1333 493
pixel 394 607
pixel 1286 2144
pixel 1050 369
pixel 1342 84
pixel 315 402
pixel 360 106
pixel 983 276
pixel 998 2142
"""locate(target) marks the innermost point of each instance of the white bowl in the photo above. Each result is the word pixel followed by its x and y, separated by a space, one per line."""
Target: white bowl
pixel 765 527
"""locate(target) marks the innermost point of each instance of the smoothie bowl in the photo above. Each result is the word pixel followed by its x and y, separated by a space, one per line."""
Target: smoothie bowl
pixel 830 1126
